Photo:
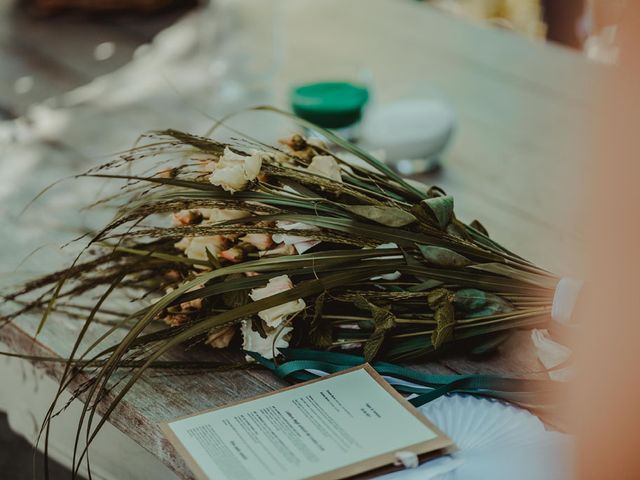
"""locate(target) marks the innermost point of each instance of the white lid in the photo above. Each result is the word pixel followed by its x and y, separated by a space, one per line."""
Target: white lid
pixel 409 129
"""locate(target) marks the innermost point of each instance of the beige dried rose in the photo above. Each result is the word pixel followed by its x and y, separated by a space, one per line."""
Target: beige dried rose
pixel 196 248
pixel 187 217
pixel 176 319
pixel 295 142
pixel 191 305
pixel 325 166
pixel 253 341
pixel 217 215
pixel 274 316
pixel 233 254
pixel 299 147
pixel 262 241
pixel 281 250
pixel 221 338
pixel 233 171
pixel 172 276
pixel 301 244
pixel 183 244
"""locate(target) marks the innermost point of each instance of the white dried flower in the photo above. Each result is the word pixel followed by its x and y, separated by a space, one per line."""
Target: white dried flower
pixel 262 241
pixel 183 244
pixel 176 319
pixel 234 171
pixel 551 354
pixel 187 217
pixel 274 316
pixel 217 215
pixel 253 342
pixel 301 244
pixel 325 166
pixel 281 250
pixel 196 248
pixel 233 254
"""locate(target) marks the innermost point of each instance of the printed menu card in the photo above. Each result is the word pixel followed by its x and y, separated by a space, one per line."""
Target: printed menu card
pixel 338 426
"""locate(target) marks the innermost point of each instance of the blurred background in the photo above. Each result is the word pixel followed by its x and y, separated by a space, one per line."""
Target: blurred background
pixel 51 46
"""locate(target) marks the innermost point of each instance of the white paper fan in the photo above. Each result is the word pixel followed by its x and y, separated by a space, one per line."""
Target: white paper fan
pixel 496 441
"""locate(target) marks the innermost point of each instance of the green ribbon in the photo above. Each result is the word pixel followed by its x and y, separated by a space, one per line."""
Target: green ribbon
pixel 428 387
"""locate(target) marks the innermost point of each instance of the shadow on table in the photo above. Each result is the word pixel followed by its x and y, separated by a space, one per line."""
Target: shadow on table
pixel 16 457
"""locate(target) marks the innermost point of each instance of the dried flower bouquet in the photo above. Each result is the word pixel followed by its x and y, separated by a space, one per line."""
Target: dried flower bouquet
pixel 293 245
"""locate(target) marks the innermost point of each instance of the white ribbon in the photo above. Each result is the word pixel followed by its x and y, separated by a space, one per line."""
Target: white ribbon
pixel 407 459
pixel 565 298
pixel 549 352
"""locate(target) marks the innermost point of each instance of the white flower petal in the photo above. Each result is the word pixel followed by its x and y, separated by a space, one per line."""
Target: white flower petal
pixel 301 244
pixel 253 342
pixel 198 246
pixel 387 246
pixel 183 244
pixel 551 354
pixel 274 316
pixel 252 166
pixel 216 215
pixel 234 171
pixel 388 276
pixel 231 178
pixel 325 166
pixel 262 241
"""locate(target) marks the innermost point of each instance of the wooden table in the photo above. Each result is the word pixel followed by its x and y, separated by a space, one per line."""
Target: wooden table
pixel 515 164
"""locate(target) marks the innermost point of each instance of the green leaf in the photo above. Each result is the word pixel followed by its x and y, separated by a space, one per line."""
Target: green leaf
pixel 373 346
pixel 437 210
pixel 383 319
pixel 445 318
pixel 443 256
pixel 479 227
pixel 389 216
pixel 478 303
pixel 440 300
pixel 455 228
pixel 470 299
